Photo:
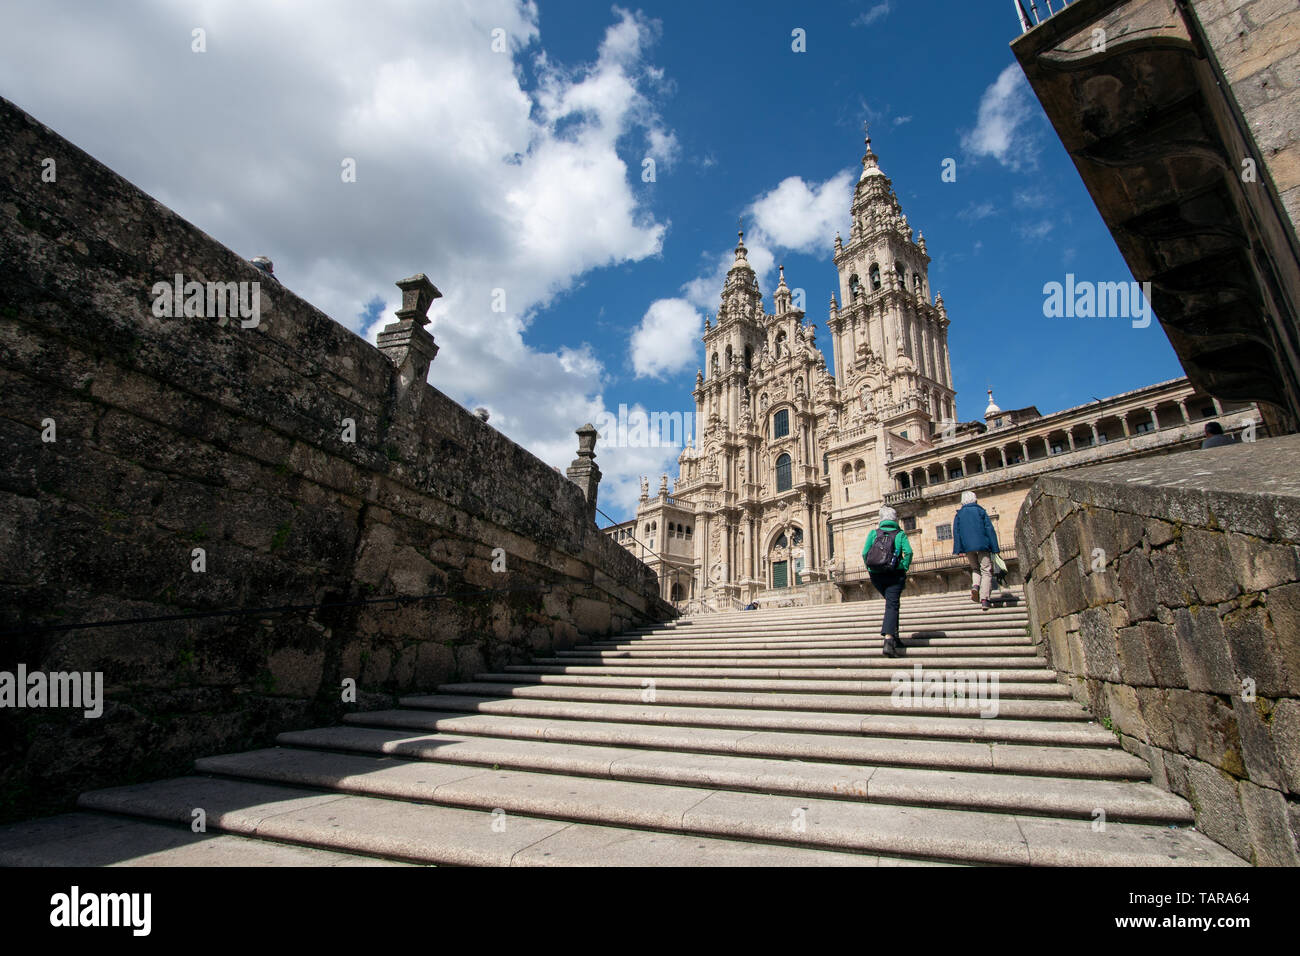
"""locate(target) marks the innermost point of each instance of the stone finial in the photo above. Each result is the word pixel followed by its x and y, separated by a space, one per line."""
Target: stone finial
pixel 407 343
pixel 587 441
pixel 481 414
pixel 418 294
pixel 583 471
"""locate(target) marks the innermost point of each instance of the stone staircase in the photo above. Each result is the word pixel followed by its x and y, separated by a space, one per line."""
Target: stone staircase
pixel 755 738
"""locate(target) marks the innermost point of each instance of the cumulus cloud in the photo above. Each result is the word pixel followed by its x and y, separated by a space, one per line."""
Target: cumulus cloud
pixel 794 216
pixel 664 341
pixel 506 193
pixel 1001 124
pixel 800 217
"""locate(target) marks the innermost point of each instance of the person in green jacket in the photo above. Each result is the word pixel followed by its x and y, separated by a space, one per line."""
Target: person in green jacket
pixel 888 569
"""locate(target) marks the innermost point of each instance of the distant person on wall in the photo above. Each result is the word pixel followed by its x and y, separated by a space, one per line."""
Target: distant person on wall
pixel 887 555
pixel 1214 436
pixel 973 536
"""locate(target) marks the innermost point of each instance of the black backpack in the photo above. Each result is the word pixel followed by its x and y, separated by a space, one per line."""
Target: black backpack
pixel 882 556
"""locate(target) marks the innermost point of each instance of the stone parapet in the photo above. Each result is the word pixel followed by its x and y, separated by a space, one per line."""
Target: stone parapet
pixel 1166 593
pixel 309 468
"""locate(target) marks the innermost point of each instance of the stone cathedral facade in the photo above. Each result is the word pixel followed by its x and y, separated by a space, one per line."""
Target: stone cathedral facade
pixel 776 422
pixel 794 457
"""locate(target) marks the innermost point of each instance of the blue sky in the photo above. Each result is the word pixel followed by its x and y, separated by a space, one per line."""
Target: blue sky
pixel 517 166
pixel 748 112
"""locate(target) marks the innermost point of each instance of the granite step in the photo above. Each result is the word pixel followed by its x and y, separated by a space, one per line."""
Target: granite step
pixel 1106 762
pixel 954 835
pixel 1006 689
pixel 1045 732
pixel 1039 795
pixel 445 835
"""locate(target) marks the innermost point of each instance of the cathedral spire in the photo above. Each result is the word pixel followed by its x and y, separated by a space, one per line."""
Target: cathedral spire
pixel 870 162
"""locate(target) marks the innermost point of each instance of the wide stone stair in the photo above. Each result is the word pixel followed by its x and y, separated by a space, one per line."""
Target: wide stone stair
pixel 775 737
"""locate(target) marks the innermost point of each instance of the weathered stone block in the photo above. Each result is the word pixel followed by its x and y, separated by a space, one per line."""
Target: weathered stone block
pixel 1285 729
pixel 1121 705
pixel 1163 657
pixel 1258 651
pixel 1157 533
pixel 1205 728
pixel 1255 725
pixel 591 617
pixel 1209 565
pixel 1138 584
pixel 1283 604
pixel 1268 825
pixel 1219 813
pixel 1173 586
pixel 1134 668
pixel 1098 640
pixel 1203 650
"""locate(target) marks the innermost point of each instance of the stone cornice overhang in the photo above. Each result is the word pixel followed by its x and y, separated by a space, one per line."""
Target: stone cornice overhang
pixel 1158 139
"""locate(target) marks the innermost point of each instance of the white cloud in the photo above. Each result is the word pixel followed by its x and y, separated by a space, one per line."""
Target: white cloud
pixel 461 172
pixel 1037 230
pixel 900 120
pixel 999 131
pixel 974 212
pixel 795 216
pixel 800 217
pixel 868 17
pixel 665 340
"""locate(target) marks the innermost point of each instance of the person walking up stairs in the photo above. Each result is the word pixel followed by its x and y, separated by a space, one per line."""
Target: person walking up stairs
pixel 887 555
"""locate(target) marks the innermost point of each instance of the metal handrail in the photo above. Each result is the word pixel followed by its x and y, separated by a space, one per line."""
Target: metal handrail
pixel 1031 17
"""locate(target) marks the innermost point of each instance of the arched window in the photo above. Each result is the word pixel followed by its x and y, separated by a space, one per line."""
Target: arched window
pixel 783 473
pixel 727 360
pixel 902 275
pixel 749 357
pixel 688 531
pixel 874 275
pixel 780 345
pixel 847 474
pixel 855 287
pixel 859 470
pixel 796 537
pixel 826 463
pixel 781 542
pixel 916 281
pixel 781 423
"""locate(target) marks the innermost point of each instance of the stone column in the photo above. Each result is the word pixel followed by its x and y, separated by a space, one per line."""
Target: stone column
pixel 1182 407
pixel 1123 421
pixel 1069 437
pixel 1155 421
pixel 584 472
pixel 1095 436
pixel 1024 451
pixel 1003 452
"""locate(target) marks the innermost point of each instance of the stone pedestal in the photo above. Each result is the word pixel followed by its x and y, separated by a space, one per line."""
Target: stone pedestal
pixel 583 471
pixel 406 343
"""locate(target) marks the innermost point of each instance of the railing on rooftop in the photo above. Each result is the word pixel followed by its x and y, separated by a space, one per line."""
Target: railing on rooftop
pixel 1030 15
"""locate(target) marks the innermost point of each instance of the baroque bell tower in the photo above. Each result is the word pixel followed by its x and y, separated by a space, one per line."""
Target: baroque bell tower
pixel 891 339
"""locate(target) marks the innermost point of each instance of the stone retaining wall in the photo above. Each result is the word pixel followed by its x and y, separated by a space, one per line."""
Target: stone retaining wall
pixel 176 434
pixel 1166 593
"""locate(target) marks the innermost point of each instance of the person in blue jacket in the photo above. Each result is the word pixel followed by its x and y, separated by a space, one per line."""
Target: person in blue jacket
pixel 973 536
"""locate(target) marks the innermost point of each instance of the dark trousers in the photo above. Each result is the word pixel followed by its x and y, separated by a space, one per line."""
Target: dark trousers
pixel 890 584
